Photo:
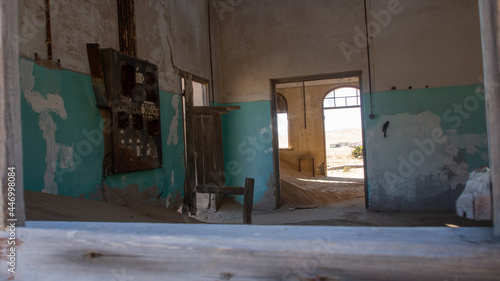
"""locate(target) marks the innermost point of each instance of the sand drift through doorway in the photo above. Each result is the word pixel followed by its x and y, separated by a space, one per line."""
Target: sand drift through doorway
pixel 319 135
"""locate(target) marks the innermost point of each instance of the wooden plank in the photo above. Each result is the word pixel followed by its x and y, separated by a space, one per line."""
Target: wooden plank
pixel 219 147
pixel 97 75
pixel 199 151
pixel 143 251
pixel 490 27
pixel 208 148
pixel 10 120
pixel 215 189
pixel 219 177
pixel 214 109
pixel 126 27
pixel 248 201
pixel 190 182
pixel 276 151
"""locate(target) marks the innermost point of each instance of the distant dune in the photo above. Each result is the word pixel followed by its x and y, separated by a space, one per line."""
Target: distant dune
pixel 351 136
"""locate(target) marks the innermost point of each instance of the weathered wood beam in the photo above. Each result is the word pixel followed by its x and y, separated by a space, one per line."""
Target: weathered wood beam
pixel 248 201
pixel 490 28
pixel 214 109
pixel 190 182
pixel 126 26
pixel 11 169
pixel 215 189
pixel 142 251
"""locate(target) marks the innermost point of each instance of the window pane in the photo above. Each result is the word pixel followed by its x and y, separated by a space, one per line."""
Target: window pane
pixel 283 130
pixel 200 94
pixel 342 97
pixel 340 102
pixel 345 92
pixel 352 101
pixel 329 103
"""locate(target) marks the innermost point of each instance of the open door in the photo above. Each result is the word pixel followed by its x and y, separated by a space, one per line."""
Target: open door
pixel 204 147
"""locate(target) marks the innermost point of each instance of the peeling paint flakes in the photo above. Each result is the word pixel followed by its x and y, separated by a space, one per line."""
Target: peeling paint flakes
pixel 484 156
pixel 48 128
pixel 66 157
pixel 172 136
pixel 409 129
pixel 56 154
pixel 172 179
pixel 53 103
pixel 471 150
pixel 27 82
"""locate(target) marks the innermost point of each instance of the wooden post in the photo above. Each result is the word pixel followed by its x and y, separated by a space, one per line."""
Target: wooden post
pixel 490 27
pixel 248 201
pixel 126 27
pixel 10 120
pixel 190 182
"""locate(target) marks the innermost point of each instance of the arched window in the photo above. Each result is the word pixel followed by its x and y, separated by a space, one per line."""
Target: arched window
pixel 342 97
pixel 282 110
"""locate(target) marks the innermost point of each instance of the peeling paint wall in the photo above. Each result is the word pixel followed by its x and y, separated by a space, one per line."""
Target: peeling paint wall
pixel 64 146
pixel 62 128
pixel 174 35
pixel 435 138
pixel 61 154
pixel 424 45
pixel 73 24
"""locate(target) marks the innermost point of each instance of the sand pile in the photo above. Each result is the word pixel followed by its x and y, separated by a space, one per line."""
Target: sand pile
pixel 302 191
pixel 49 207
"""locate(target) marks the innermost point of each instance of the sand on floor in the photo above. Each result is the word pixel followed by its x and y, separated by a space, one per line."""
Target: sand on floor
pixel 48 207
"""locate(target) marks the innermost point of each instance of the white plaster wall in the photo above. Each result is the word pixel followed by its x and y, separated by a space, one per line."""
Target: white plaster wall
pixel 31 20
pixel 260 40
pixel 174 35
pixel 429 43
pixel 426 42
pixel 168 33
pixel 73 24
pixel 81 22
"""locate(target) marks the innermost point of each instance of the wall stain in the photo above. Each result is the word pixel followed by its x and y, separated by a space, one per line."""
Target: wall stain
pixel 268 199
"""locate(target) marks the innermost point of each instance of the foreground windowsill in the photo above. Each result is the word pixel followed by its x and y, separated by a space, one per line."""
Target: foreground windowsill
pixel 147 251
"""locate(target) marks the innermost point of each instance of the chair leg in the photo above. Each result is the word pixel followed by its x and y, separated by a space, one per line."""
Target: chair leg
pixel 248 201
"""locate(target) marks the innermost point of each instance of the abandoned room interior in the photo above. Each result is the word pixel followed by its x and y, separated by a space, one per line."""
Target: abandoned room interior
pixel 354 118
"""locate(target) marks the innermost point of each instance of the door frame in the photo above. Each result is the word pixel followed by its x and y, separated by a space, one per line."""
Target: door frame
pixel 274 122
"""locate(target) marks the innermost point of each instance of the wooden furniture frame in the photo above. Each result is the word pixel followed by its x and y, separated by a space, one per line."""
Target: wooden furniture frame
pixel 246 191
pixel 313 160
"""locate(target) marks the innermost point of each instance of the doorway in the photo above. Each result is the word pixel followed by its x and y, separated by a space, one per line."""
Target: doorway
pixel 303 129
pixel 197 89
pixel 343 133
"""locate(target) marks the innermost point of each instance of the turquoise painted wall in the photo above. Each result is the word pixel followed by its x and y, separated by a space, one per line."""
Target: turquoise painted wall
pixel 248 150
pixel 435 138
pixel 62 138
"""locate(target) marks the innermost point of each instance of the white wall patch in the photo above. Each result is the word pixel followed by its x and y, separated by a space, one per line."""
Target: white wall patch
pixel 56 153
pixel 172 136
pixel 415 150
